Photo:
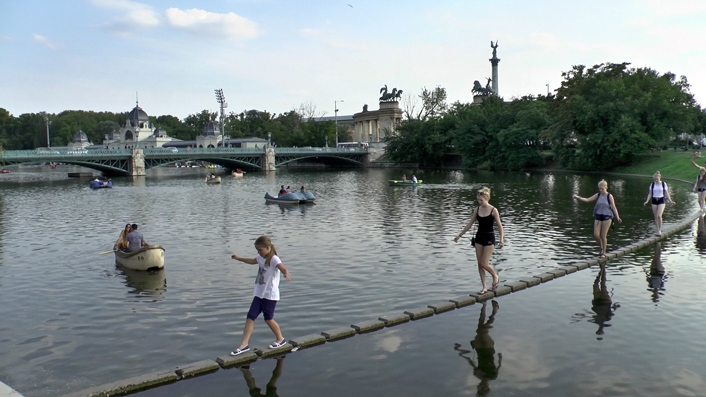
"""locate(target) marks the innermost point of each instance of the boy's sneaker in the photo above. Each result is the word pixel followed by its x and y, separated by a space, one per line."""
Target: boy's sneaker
pixel 240 351
pixel 278 344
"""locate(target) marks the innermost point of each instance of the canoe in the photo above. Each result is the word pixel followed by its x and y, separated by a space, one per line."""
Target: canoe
pixel 146 258
pixel 214 180
pixel 307 198
pixel 289 198
pixel 395 182
pixel 238 174
pixel 5 171
pixel 100 184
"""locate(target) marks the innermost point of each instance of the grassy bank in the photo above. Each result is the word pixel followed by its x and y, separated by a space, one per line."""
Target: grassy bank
pixel 670 163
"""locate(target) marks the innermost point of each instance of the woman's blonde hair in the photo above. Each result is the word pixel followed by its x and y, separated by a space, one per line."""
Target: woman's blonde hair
pixel 603 183
pixel 265 242
pixel 484 192
pixel 657 174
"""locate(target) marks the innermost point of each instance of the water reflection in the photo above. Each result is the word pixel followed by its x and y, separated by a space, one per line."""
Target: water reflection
pixel 148 283
pixel 656 276
pixel 484 347
pixel 287 208
pixel 602 303
pixel 271 388
pixel 701 235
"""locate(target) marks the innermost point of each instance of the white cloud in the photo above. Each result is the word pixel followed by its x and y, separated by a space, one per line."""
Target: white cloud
pixel 203 22
pixel 664 8
pixel 5 38
pixel 136 16
pixel 48 43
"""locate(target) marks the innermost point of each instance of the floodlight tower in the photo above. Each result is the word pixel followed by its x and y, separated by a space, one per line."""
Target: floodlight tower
pixel 48 122
pixel 222 101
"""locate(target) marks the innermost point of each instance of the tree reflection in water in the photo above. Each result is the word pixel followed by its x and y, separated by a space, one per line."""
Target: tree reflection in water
pixel 484 348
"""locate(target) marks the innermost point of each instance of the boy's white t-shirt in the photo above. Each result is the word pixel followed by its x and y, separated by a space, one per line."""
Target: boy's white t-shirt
pixel 267 280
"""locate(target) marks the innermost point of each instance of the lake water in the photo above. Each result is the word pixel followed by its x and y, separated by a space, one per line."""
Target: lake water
pixel 71 319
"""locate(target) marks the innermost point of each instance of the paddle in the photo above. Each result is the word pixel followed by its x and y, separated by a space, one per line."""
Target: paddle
pixel 107 252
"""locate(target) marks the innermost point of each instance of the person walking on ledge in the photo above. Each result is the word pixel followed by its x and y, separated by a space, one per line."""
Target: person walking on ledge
pixel 266 292
pixel 657 194
pixel 603 214
pixel 700 184
pixel 484 241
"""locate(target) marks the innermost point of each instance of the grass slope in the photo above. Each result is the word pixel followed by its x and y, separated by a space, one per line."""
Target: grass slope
pixel 670 163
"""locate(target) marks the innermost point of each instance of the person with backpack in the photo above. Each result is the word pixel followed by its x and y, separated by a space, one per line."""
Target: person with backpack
pixel 603 214
pixel 658 194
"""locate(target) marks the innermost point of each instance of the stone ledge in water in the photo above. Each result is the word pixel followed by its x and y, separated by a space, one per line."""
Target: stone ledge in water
pixel 231 361
pixel 531 281
pixel 581 265
pixel 464 300
pixel 267 352
pixel 303 342
pixel 559 272
pixel 130 385
pixel 516 285
pixel 569 268
pixel 368 326
pixel 544 277
pixel 422 312
pixel 502 290
pixel 482 297
pixel 442 307
pixel 338 333
pixel 197 368
pixel 394 319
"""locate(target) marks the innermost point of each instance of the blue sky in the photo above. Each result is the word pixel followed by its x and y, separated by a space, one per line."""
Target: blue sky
pixel 276 55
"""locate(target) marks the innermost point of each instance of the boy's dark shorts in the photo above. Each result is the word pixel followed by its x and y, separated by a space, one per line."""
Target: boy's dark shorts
pixel 260 305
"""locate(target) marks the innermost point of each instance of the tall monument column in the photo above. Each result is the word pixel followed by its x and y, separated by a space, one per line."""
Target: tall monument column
pixel 495 61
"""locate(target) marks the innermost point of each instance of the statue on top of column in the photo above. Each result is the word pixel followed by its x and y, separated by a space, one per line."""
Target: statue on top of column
pixel 495 48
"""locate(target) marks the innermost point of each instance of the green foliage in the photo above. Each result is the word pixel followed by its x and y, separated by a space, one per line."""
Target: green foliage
pixel 612 113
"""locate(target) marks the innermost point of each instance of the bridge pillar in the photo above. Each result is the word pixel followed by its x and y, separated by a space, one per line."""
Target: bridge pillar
pixel 269 163
pixel 137 163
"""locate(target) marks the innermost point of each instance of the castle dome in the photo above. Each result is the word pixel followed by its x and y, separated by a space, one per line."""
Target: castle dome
pixel 211 129
pixel 137 115
pixel 80 137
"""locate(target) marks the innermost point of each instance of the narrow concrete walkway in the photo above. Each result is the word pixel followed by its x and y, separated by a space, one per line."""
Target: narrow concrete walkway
pixel 7 391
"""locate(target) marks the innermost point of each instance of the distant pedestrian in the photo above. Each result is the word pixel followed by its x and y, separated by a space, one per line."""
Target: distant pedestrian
pixel 266 292
pixel 603 214
pixel 700 184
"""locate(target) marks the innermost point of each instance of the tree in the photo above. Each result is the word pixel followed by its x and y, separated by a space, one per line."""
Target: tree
pixel 608 114
pixel 433 104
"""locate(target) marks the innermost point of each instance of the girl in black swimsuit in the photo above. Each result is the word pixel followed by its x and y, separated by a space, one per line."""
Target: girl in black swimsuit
pixel 486 215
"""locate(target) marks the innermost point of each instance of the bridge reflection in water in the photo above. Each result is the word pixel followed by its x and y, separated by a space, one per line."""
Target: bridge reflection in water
pixel 121 161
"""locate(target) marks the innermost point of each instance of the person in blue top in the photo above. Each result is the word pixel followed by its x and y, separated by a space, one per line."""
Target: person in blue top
pixel 414 179
pixel 658 194
pixel 603 214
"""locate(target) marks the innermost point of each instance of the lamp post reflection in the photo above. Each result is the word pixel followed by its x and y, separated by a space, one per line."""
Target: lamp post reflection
pixel 484 347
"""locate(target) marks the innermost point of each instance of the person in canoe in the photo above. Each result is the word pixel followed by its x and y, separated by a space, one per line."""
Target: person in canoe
pixel 404 177
pixel 135 239
pixel 282 191
pixel 414 179
pixel 122 244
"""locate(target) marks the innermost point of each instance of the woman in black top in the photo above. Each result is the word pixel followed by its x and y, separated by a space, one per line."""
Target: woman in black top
pixel 484 240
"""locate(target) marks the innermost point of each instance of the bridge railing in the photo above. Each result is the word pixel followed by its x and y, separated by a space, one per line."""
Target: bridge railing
pixel 318 149
pixel 50 153
pixel 199 151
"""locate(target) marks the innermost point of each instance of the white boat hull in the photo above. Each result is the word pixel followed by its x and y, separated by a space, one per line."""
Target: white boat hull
pixel 214 180
pixel 149 257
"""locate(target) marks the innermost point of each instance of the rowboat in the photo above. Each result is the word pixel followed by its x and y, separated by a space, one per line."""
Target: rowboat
pixel 5 171
pixel 214 180
pixel 146 258
pixel 101 184
pixel 395 182
pixel 289 198
pixel 238 173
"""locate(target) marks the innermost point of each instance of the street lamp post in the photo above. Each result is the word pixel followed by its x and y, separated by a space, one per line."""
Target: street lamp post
pixel 48 122
pixel 335 118
pixel 269 139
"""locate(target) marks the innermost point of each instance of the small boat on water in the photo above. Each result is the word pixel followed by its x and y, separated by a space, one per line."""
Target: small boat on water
pixel 238 173
pixel 101 184
pixel 216 179
pixel 291 198
pixel 396 182
pixel 150 257
pixel 5 171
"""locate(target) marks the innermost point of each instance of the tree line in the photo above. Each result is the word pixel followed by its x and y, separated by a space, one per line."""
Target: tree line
pixel 601 117
pixel 294 128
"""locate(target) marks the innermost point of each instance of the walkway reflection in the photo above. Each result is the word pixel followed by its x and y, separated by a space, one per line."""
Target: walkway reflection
pixel 271 388
pixel 151 283
pixel 656 276
pixel 701 234
pixel 602 304
pixel 484 347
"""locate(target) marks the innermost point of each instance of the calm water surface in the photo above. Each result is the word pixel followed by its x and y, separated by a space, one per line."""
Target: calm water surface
pixel 73 320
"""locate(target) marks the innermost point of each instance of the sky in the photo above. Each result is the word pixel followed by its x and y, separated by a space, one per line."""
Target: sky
pixel 277 55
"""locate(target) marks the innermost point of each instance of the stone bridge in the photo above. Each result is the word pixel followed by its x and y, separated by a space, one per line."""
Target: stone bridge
pixel 135 162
